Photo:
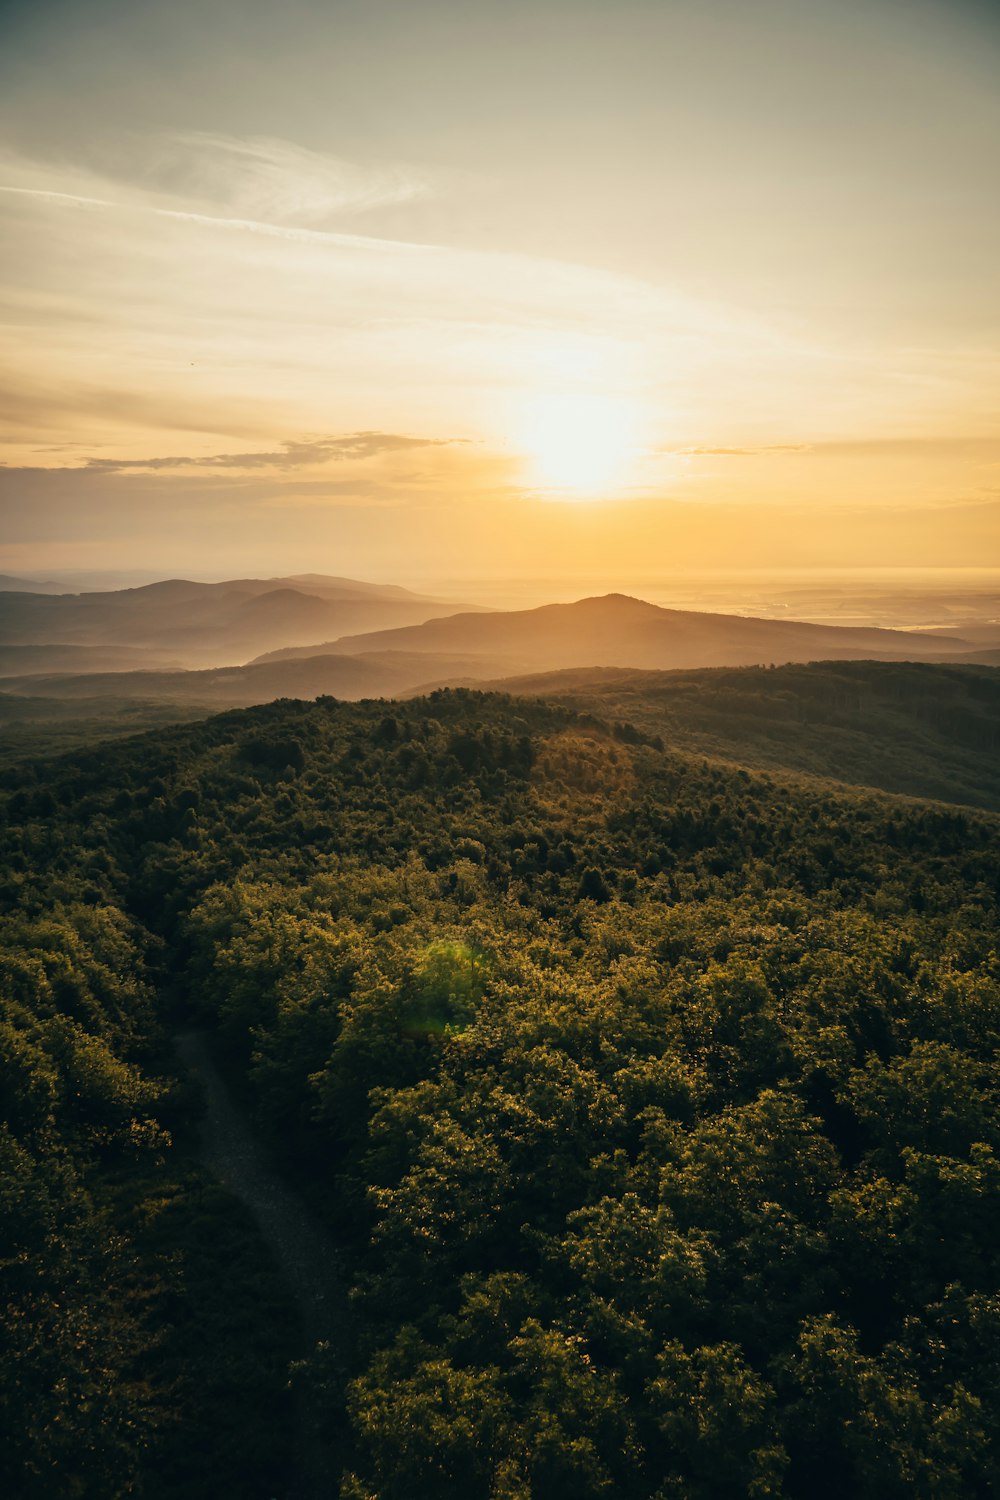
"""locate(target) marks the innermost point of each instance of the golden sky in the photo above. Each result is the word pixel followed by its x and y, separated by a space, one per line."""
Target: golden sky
pixel 391 288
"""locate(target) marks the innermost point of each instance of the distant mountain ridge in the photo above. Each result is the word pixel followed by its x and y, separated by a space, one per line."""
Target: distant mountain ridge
pixel 611 632
pixel 182 622
pixel 616 630
pixel 349 677
pixel 9 584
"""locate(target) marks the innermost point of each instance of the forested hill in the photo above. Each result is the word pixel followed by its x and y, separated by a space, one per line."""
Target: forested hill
pixel 928 730
pixel 923 729
pixel 652 1101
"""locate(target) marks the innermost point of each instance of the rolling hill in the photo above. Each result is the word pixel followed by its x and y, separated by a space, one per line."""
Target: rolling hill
pixel 922 729
pixel 926 730
pixel 10 584
pixel 622 655
pixel 224 687
pixel 179 622
pixel 33 658
pixel 616 630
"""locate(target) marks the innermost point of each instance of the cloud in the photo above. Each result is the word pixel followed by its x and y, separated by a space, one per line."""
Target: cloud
pixel 295 233
pixel 261 178
pixel 971 447
pixel 246 306
pixel 50 195
pixel 54 407
pixel 247 180
pixel 738 452
pixel 291 455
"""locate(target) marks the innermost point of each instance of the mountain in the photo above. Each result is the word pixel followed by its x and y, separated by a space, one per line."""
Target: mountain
pixel 616 630
pixel 346 588
pixel 182 622
pixel 12 585
pixel 464 649
pixel 224 687
pixel 44 713
pixel 922 729
pixel 28 659
pixel 926 730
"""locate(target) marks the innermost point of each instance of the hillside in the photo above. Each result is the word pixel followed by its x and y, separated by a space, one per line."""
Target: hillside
pixel 10 584
pixel 921 733
pixel 928 730
pixel 180 622
pixel 623 1084
pixel 31 659
pixel 371 675
pixel 134 628
pixel 615 630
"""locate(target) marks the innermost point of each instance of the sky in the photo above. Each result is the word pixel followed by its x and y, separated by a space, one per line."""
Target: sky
pixel 403 289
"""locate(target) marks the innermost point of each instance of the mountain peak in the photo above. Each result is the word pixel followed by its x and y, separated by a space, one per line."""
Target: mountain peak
pixel 616 601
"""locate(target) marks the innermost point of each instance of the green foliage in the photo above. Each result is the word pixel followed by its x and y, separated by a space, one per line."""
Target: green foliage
pixel 653 1103
pixel 218 1335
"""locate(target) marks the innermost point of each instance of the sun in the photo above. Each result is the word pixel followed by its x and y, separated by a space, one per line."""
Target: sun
pixel 580 447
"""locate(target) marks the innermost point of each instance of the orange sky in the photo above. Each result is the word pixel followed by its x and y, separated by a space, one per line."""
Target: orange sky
pixel 388 288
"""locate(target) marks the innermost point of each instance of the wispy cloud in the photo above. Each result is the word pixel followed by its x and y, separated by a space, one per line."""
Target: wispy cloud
pixel 290 455
pixel 294 233
pixel 738 452
pixel 251 179
pixel 222 290
pixel 50 195
pixel 275 181
pixel 959 444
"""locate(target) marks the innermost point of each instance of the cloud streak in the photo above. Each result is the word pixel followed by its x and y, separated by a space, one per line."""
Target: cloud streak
pixel 295 234
pixel 291 455
pixel 738 452
pixel 971 447
pixel 256 181
pixel 231 314
pixel 261 178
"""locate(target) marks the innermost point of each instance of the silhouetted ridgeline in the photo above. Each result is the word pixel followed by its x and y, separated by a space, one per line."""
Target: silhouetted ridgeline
pixel 651 1101
pixel 617 630
pixel 181 623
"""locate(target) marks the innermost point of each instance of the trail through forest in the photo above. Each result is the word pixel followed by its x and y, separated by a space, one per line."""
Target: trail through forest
pixel 306 1256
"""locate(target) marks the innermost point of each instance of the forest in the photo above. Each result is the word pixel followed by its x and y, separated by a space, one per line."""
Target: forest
pixel 649 1099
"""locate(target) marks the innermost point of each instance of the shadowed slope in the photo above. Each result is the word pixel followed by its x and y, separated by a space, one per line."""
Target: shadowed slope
pixel 929 730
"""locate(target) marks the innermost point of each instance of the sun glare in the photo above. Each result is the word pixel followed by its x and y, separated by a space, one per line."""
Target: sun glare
pixel 580 447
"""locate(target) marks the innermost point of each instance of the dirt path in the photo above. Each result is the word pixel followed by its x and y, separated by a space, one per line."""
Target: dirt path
pixel 307 1256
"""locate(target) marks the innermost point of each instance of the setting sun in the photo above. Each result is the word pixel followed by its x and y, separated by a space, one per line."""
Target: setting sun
pixel 579 446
